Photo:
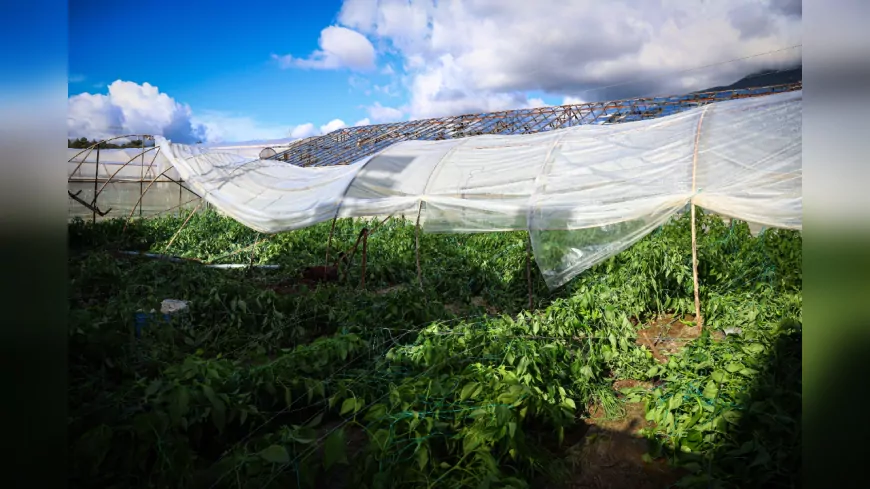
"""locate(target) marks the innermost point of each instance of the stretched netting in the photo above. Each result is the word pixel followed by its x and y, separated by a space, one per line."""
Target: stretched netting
pixel 584 193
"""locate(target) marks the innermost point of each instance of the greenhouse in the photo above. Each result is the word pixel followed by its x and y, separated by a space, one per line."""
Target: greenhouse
pixel 363 309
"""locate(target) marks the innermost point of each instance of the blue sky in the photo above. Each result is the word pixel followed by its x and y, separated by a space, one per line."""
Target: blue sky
pixel 215 58
pixel 222 70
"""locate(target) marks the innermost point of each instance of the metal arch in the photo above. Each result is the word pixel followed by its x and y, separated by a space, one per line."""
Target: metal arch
pixel 90 148
pixel 351 144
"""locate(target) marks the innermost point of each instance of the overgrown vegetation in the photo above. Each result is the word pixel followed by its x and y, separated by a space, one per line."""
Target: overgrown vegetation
pixel 265 382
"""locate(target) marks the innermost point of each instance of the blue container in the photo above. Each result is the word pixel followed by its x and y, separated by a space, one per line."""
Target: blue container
pixel 143 318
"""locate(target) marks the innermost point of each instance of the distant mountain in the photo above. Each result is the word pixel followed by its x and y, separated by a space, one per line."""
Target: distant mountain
pixel 762 79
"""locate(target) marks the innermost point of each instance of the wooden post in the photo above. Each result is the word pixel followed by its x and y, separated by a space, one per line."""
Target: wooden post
pixel 182 226
pixel 698 319
pixel 529 270
pixel 417 247
pixel 329 240
pixel 253 250
pixel 365 239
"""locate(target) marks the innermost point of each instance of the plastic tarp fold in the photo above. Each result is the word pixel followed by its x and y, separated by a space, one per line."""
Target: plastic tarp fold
pixel 583 193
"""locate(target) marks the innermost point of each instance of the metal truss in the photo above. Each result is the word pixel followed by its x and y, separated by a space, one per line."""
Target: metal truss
pixel 345 146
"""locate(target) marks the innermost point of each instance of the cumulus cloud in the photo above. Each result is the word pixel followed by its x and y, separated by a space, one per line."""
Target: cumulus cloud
pixel 481 55
pixel 332 125
pixel 304 131
pixel 131 108
pixel 340 47
pixel 362 122
pixel 379 113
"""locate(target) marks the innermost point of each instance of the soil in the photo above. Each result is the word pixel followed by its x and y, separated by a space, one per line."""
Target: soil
pixel 668 334
pixel 480 302
pixel 610 456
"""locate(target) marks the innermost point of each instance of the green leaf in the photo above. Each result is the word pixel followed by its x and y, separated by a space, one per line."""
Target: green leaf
pixel 347 406
pixel 755 348
pixel 219 410
pixel 334 450
pixel 710 390
pixel 422 456
pixel 568 402
pixel 732 416
pixel 179 405
pixel 470 442
pixel 470 390
pixel 675 402
pixel 376 412
pixel 718 376
pixel 315 421
pixel 275 454
pixel 734 367
pixel 153 388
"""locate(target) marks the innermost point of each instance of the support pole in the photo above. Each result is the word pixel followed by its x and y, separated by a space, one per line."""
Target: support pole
pixel 96 180
pixel 138 202
pixel 529 271
pixel 365 240
pixel 417 247
pixel 329 240
pixel 699 321
pixel 182 227
pixel 251 260
pixel 142 174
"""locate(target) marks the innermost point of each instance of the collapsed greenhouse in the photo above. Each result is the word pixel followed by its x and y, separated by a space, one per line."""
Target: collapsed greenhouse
pixel 593 369
pixel 590 190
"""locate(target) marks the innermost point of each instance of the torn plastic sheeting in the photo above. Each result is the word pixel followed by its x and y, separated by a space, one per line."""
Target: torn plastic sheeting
pixel 584 193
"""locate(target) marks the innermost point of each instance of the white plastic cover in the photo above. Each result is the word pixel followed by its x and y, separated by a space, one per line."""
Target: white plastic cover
pixel 584 193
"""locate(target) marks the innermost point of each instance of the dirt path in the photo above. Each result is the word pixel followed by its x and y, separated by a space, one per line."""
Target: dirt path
pixel 612 453
pixel 611 456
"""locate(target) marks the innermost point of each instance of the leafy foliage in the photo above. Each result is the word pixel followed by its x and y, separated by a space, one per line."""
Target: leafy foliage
pixel 267 382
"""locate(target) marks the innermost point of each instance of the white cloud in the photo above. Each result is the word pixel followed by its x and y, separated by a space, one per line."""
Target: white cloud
pixel 215 127
pixel 76 78
pixel 304 131
pixel 332 125
pixel 536 103
pixel 362 122
pixel 572 101
pixel 379 113
pixel 131 108
pixel 358 82
pixel 339 48
pixel 481 55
